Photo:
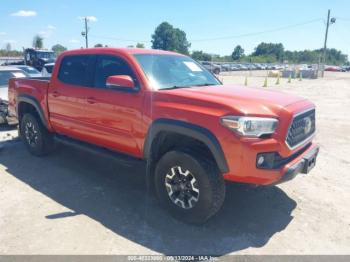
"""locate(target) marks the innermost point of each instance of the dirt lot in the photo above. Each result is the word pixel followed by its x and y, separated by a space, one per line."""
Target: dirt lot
pixel 74 203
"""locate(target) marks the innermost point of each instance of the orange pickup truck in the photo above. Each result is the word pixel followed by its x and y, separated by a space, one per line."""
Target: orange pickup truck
pixel 167 110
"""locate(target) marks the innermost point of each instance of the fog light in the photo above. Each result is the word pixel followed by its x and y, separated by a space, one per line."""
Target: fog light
pixel 261 160
pixel 266 160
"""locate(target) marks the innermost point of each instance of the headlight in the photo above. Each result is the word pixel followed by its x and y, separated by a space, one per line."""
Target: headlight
pixel 250 126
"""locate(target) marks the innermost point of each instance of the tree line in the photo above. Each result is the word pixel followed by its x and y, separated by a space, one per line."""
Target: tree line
pixel 38 42
pixel 167 37
pixel 275 53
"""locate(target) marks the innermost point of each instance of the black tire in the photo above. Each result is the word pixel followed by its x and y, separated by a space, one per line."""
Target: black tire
pixel 41 141
pixel 209 182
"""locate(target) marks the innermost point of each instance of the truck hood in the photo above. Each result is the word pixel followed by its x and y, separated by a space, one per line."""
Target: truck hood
pixel 238 99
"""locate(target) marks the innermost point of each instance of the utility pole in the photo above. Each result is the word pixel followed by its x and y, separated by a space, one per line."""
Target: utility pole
pixel 325 43
pixel 85 33
pixel 329 22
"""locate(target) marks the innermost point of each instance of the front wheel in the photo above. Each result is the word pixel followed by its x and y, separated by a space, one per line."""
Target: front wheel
pixel 190 187
pixel 36 137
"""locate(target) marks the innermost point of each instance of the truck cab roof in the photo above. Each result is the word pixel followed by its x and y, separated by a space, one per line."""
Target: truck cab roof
pixel 128 51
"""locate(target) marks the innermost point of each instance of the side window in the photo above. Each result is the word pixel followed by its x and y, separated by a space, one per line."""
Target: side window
pixel 77 70
pixel 108 66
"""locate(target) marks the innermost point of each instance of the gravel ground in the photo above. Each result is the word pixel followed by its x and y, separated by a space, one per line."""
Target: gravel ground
pixel 72 202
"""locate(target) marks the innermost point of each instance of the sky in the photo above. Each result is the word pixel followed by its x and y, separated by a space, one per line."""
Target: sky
pixel 215 27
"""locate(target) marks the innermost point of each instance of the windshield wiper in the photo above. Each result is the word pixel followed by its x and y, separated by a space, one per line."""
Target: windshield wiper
pixel 177 87
pixel 174 87
pixel 205 84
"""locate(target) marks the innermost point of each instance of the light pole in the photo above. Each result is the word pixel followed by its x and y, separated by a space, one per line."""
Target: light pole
pixel 329 22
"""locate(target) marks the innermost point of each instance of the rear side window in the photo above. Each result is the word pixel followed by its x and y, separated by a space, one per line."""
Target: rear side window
pixel 77 70
pixel 108 66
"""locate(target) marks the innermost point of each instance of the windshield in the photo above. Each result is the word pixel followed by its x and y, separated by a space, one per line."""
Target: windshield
pixel 47 55
pixel 172 71
pixel 5 76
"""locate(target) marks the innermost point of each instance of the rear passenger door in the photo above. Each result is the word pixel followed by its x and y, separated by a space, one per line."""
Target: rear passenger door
pixel 68 93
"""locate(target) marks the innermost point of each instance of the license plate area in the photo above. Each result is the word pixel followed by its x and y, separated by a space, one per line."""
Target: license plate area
pixel 310 161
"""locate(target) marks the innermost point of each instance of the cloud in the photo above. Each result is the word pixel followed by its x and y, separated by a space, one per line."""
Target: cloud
pixel 10 41
pixel 47 32
pixel 89 18
pixel 74 41
pixel 24 13
pixel 2 33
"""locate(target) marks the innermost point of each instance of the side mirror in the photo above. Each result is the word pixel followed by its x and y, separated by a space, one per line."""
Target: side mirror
pixel 123 81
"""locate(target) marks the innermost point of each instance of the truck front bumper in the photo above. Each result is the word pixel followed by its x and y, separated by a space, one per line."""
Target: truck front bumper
pixel 249 173
pixel 302 164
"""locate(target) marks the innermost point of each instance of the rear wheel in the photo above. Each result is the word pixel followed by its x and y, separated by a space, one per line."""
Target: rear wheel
pixel 190 187
pixel 36 137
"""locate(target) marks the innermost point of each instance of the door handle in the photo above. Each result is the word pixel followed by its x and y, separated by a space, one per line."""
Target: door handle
pixel 55 94
pixel 91 100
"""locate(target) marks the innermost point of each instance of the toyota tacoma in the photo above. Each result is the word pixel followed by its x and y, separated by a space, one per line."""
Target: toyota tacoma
pixel 165 109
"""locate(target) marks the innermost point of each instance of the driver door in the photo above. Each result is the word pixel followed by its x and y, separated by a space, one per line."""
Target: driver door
pixel 115 115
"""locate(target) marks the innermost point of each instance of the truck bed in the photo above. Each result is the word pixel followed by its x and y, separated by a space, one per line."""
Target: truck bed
pixel 34 87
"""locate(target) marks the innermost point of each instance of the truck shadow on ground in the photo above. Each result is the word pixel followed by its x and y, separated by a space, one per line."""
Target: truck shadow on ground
pixel 115 195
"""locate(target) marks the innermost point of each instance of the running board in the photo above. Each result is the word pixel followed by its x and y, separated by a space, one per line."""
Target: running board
pixel 119 157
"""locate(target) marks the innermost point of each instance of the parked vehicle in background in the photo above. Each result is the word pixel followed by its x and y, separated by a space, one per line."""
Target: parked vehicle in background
pixel 31 71
pixel 332 68
pixel 346 68
pixel 6 73
pixel 279 67
pixel 251 67
pixel 342 69
pixel 37 58
pixel 258 66
pixel 47 70
pixel 226 67
pixel 234 67
pixel 242 67
pixel 214 68
pixel 167 110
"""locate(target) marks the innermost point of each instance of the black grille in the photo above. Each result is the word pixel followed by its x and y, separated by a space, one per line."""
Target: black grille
pixel 302 127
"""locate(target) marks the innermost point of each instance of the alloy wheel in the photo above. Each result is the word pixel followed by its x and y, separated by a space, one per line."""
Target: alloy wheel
pixel 182 187
pixel 31 134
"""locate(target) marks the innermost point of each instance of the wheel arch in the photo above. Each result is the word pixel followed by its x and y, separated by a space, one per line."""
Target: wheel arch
pixel 27 103
pixel 185 130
